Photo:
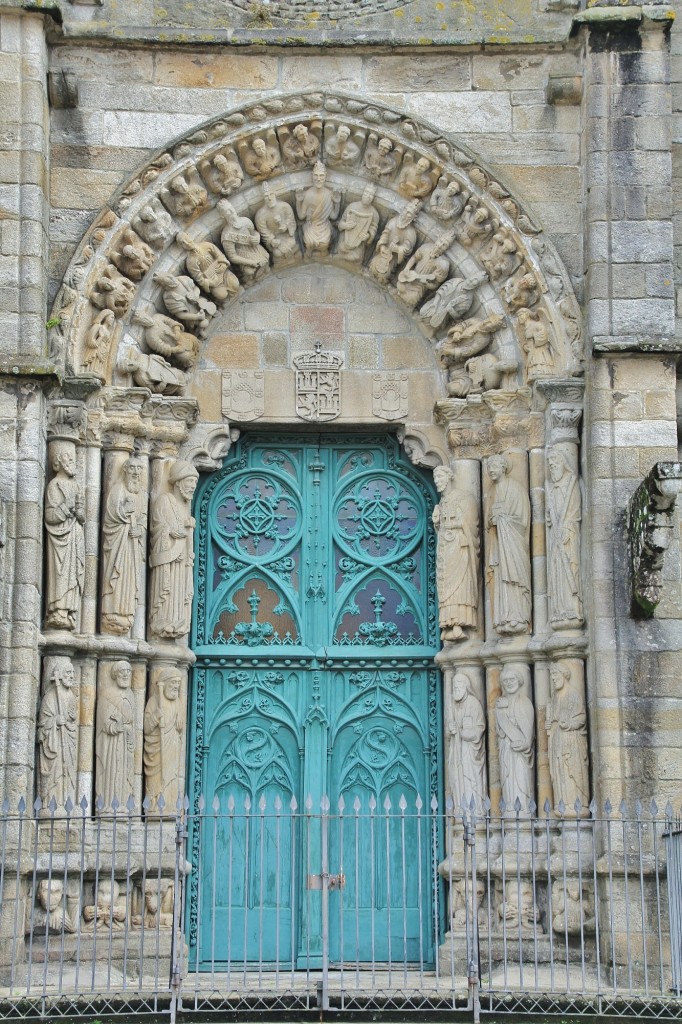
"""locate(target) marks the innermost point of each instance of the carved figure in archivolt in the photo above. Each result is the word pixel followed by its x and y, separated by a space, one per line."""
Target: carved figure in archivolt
pixel 276 223
pixel 164 725
pixel 64 518
pixel 58 736
pixel 447 201
pixel 477 223
pixel 515 724
pixel 500 257
pixel 358 227
pixel 521 292
pixel 317 207
pixel 154 224
pixel 261 159
pixel 457 564
pixel 340 150
pixel 241 243
pixel 535 342
pixel 209 268
pixel 466 745
pixel 113 291
pixel 152 371
pixel 183 300
pixel 131 255
pixel 453 300
pixel 124 523
pixel 185 194
pixel 168 338
pixel 222 174
pixel 172 553
pixel 509 559
pixel 416 180
pixel 566 723
pixel 425 270
pixel 300 147
pixel 563 511
pixel 395 244
pixel 381 160
pixel 98 343
pixel 115 737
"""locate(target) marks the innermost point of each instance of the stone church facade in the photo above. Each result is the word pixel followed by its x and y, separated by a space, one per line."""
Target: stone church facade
pixel 451 227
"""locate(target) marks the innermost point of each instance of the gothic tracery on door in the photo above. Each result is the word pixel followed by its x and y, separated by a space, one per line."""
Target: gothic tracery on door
pixel 315 630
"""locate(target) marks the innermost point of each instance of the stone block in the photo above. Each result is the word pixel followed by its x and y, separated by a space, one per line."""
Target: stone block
pixel 405 353
pixel 153 99
pixel 641 242
pixel 640 168
pixel 643 316
pixel 432 73
pixel 81 188
pixel 266 316
pixel 233 351
pixel 106 63
pixel 215 71
pixel 645 100
pixel 659 281
pixel 653 133
pixel 644 434
pixel 363 351
pixel 470 113
pixel 546 118
pixel 315 72
pixel 628 281
pixel 644 373
pixel 275 348
pixel 384 319
pixel 308 323
pixel 143 129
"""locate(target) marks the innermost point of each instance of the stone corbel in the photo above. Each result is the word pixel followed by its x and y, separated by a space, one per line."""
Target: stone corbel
pixel 650 530
pixel 66 419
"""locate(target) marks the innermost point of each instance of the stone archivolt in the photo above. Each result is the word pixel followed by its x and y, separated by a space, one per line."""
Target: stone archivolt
pixel 320 177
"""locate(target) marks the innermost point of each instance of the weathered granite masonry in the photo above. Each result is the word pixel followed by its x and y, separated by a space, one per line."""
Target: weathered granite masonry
pixel 561 119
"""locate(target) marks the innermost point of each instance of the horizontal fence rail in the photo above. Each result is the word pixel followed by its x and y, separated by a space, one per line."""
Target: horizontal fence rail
pixel 367 903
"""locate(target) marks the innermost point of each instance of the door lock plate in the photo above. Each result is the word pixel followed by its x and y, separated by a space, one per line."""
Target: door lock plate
pixel 333 882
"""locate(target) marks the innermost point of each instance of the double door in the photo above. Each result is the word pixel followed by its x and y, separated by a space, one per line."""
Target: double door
pixel 315 709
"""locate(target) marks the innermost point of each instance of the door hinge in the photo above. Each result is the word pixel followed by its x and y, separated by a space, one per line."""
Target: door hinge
pixel 333 881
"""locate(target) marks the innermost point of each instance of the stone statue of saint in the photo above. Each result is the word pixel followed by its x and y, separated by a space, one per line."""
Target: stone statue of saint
pixel 535 342
pixel 241 242
pixel 466 745
pixel 515 723
pixel 397 241
pixel 58 736
pixel 172 554
pixel 563 513
pixel 276 223
pixel 456 521
pixel 164 723
pixel 509 562
pixel 124 522
pixel 566 724
pixel 425 270
pixel 358 227
pixel 115 738
pixel 64 518
pixel 317 207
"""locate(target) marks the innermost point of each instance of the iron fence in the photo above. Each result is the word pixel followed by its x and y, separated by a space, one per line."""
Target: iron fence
pixel 240 907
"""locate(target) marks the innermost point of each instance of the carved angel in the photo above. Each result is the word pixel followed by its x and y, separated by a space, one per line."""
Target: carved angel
pixel 477 223
pixel 448 200
pixel 262 158
pixel 300 146
pixel 340 150
pixel 223 174
pixel 185 194
pixel 381 159
pixel 416 180
pixel 153 224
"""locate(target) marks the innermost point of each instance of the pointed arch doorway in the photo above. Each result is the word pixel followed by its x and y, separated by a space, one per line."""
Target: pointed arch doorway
pixel 315 629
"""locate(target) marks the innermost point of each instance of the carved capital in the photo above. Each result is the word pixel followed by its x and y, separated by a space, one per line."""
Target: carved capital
pixel 66 419
pixel 564 392
pixel 650 527
pixel 564 421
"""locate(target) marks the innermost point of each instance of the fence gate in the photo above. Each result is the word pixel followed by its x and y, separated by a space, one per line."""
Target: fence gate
pixel 315 631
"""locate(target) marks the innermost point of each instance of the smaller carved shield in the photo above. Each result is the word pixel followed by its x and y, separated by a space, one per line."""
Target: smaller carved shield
pixel 389 396
pixel 243 395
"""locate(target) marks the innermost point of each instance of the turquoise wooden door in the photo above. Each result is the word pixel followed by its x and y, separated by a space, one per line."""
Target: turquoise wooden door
pixel 315 629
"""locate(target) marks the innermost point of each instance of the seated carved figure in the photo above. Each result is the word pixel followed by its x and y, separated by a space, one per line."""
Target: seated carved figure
pixel 109 909
pixel 261 159
pixel 241 243
pixel 222 174
pixel 182 299
pixel 209 267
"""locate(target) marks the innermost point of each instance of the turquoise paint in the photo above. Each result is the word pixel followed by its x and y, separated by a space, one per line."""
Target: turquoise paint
pixel 315 628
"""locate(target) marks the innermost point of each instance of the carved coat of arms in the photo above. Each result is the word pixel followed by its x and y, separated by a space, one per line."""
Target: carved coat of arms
pixel 318 384
pixel 242 395
pixel 389 396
